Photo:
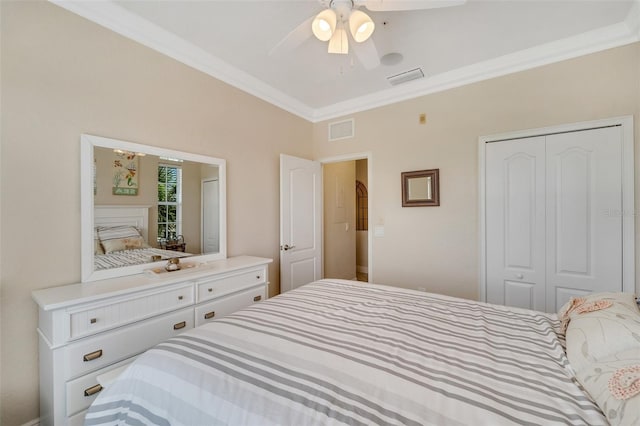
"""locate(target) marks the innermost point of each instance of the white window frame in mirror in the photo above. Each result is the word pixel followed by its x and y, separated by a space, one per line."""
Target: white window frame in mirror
pixel 87 144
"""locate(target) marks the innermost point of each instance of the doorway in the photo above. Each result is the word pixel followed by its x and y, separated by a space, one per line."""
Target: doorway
pixel 302 219
pixel 346 246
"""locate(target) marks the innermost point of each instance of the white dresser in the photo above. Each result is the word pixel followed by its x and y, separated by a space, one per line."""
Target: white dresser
pixel 86 330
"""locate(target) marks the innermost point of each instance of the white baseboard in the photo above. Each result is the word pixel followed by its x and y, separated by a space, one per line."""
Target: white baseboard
pixel 362 269
pixel 34 422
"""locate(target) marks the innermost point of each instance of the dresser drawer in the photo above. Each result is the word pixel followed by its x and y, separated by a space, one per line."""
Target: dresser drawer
pixel 106 348
pixel 109 315
pixel 227 305
pixel 82 391
pixel 219 286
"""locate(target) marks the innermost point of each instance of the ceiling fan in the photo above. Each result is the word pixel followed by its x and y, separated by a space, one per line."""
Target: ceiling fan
pixel 338 16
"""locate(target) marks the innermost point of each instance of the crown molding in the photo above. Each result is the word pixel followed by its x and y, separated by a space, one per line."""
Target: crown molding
pixel 127 24
pixel 633 19
pixel 123 22
pixel 583 44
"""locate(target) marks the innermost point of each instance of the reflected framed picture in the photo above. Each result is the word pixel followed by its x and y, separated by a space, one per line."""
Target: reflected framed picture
pixel 125 173
pixel 421 188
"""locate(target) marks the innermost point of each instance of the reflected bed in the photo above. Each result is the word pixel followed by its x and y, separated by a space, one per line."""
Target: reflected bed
pixel 121 238
pixel 119 259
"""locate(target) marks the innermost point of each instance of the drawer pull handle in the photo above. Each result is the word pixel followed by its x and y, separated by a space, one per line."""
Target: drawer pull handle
pixel 257 277
pixel 210 290
pixel 209 315
pixel 92 390
pixel 93 355
pixel 257 298
pixel 179 325
pixel 180 297
pixel 93 320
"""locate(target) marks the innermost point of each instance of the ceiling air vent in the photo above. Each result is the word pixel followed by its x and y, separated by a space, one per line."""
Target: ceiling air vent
pixel 341 129
pixel 403 77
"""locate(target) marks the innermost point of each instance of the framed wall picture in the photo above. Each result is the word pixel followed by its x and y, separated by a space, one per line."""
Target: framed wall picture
pixel 125 173
pixel 421 188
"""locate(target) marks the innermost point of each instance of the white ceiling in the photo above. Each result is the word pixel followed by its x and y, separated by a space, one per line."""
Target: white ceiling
pixel 231 40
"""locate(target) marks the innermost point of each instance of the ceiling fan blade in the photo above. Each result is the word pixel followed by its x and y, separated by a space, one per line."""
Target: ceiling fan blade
pixel 398 5
pixel 295 38
pixel 367 54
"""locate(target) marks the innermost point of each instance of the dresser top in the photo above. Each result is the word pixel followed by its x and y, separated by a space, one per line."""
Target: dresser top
pixel 73 294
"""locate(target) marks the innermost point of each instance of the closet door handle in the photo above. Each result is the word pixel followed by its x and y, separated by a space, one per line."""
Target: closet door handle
pixel 93 355
pixel 179 325
pixel 92 390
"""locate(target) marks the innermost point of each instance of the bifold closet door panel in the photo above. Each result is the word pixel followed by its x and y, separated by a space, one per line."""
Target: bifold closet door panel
pixel 584 214
pixel 515 222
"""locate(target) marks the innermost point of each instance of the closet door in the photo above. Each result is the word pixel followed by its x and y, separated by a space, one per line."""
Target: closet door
pixel 584 214
pixel 515 222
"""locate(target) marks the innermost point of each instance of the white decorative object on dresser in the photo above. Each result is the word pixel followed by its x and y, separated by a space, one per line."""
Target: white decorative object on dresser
pixel 88 330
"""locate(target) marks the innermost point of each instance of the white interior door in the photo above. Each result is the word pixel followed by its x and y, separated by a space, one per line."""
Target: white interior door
pixel 584 219
pixel 515 224
pixel 210 216
pixel 300 222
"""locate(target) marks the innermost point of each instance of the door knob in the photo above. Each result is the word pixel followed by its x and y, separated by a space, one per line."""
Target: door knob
pixel 287 247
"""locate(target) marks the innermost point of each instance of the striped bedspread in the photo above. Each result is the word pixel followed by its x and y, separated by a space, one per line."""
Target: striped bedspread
pixel 118 259
pixel 342 352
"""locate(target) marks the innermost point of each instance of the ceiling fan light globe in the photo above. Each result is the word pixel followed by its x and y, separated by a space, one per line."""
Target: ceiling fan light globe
pixel 361 26
pixel 324 25
pixel 339 43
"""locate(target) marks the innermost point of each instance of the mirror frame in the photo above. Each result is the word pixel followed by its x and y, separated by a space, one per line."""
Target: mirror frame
pixel 434 174
pixel 87 144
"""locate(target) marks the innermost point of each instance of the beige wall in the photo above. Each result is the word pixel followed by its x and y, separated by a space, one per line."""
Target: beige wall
pixel 339 203
pixel 437 247
pixel 62 76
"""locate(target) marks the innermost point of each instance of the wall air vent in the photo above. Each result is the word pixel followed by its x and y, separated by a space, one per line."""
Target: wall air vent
pixel 341 129
pixel 403 77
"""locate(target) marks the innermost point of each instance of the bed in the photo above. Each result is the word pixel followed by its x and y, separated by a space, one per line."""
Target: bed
pixel 121 238
pixel 343 352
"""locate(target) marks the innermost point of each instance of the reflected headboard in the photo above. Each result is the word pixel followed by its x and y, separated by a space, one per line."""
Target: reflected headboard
pixel 137 216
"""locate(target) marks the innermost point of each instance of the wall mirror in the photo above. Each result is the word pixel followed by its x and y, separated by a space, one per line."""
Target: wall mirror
pixel 421 188
pixel 142 205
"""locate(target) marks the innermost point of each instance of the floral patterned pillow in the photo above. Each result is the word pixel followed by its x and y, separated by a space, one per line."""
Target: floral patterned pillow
pixel 614 383
pixel 603 347
pixel 607 329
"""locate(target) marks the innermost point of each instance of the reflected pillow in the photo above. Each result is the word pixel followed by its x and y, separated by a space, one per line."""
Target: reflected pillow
pixel 97 247
pixel 118 238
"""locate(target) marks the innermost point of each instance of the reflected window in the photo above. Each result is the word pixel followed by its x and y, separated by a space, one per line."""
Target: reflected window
pixel 362 203
pixel 169 202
